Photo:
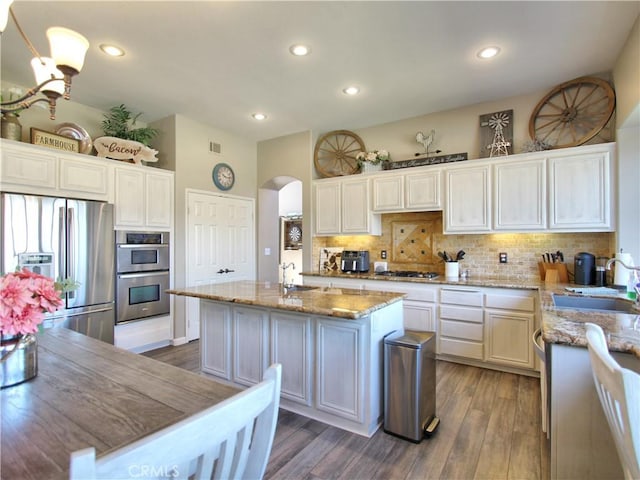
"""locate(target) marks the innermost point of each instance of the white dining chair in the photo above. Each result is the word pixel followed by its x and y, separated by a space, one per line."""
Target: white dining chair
pixel 231 439
pixel 619 392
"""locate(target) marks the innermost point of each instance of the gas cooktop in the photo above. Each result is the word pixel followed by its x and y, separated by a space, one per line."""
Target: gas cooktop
pixel 407 273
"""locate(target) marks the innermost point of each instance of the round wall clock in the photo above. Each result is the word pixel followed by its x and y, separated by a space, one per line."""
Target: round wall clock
pixel 223 176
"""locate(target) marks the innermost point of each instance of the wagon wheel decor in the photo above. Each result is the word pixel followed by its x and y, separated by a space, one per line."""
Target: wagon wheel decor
pixel 573 112
pixel 335 153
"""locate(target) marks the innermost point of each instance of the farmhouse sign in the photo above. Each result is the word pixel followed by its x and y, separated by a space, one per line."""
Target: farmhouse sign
pixel 52 140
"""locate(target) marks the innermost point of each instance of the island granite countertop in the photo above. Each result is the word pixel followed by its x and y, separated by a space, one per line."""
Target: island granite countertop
pixel 334 302
pixel 560 326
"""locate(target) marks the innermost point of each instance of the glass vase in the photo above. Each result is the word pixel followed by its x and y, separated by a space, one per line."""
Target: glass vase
pixel 18 359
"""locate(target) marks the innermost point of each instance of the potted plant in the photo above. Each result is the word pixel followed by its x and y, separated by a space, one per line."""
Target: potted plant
pixel 119 122
pixel 372 161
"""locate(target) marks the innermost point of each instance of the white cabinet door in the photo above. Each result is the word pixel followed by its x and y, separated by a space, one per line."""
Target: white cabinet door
pixel 520 196
pixel 291 346
pixel 388 192
pixel 130 197
pixel 250 345
pixel 423 190
pixel 143 198
pixel 356 213
pixel 340 368
pixel 468 200
pixel 509 338
pixel 86 177
pixel 580 192
pixel 25 168
pixel 419 315
pixel 327 208
pixel 159 200
pixel 215 322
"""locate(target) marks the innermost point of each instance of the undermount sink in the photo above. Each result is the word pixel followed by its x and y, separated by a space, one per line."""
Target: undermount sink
pixel 593 303
pixel 298 288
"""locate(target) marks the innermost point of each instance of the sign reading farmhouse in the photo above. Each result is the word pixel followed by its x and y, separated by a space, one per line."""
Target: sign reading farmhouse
pixel 52 140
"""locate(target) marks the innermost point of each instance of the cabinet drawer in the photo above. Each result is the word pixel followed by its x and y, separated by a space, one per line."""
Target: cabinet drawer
pixel 461 348
pixel 510 302
pixel 461 313
pixel 468 331
pixel 471 298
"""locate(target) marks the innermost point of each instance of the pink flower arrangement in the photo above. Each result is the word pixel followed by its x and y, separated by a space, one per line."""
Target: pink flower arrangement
pixel 25 297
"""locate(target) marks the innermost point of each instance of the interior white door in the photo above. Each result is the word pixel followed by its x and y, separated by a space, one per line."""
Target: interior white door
pixel 220 245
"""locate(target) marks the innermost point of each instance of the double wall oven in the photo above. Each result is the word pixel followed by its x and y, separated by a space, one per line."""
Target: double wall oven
pixel 142 275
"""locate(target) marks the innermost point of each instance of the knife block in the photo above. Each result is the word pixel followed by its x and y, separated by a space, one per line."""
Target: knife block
pixel 559 272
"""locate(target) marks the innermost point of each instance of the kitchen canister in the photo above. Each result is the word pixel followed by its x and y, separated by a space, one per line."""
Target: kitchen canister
pixel 451 269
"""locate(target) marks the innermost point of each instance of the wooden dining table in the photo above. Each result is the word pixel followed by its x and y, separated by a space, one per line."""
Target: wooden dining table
pixel 91 394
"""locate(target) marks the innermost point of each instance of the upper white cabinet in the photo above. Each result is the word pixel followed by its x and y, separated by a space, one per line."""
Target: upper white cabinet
pixel 580 193
pixel 143 197
pixel 417 189
pixel 43 171
pixel 342 206
pixel 520 195
pixel 468 199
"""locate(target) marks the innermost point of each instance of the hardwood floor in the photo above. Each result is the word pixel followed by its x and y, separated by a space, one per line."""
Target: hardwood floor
pixel 489 429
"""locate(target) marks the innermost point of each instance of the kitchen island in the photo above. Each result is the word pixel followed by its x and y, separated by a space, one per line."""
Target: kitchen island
pixel 91 394
pixel 328 340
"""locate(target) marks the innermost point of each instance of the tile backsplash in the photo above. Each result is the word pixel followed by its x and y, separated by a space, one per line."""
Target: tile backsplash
pixel 412 241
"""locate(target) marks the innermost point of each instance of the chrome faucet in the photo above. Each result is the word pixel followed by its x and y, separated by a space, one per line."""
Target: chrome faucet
pixel 611 261
pixel 284 274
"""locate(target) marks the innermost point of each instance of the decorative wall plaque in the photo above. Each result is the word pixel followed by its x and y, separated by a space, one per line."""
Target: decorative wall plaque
pixel 52 140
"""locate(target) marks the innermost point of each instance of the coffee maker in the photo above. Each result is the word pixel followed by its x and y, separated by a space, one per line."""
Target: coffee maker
pixel 584 268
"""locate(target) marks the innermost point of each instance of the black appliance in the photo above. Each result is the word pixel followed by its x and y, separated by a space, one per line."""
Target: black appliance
pixel 584 268
pixel 407 274
pixel 355 261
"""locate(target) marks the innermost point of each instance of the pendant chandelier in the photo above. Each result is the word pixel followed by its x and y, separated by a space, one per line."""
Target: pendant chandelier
pixel 53 74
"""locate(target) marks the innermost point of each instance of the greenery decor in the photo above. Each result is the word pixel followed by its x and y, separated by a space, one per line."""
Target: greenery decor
pixel 119 122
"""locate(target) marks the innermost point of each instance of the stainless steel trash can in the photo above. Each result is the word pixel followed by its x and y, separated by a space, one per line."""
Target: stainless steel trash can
pixel 410 384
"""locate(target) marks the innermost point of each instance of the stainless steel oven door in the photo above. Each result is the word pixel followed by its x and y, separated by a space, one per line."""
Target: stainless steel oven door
pixel 141 258
pixel 142 295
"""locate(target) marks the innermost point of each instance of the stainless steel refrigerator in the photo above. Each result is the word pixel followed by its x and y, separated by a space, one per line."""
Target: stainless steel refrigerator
pixel 65 238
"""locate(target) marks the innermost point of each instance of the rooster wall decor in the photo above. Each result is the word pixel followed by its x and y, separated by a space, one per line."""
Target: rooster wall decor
pixel 426 141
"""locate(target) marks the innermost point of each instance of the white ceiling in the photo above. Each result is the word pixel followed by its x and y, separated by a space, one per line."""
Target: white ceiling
pixel 219 62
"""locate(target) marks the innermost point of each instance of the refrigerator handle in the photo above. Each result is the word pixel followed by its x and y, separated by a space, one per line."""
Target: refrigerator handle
pixel 71 247
pixel 61 245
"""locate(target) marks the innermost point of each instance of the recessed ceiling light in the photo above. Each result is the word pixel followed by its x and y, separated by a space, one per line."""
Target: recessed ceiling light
pixel 259 116
pixel 299 50
pixel 112 50
pixel 353 90
pixel 489 52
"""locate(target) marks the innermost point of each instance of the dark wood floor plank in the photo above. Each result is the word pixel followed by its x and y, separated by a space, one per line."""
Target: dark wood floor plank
pixel 493 462
pixel 526 458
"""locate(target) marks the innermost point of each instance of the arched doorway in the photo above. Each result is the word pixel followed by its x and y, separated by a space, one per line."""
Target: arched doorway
pixel 279 205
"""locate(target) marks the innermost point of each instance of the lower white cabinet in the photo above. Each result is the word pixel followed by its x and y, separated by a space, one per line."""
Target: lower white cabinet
pixel 341 369
pixel 461 331
pixel 291 346
pixel 510 322
pixel 331 367
pixel 250 345
pixel 215 336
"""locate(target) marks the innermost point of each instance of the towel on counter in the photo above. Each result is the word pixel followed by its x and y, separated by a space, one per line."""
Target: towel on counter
pixel 593 290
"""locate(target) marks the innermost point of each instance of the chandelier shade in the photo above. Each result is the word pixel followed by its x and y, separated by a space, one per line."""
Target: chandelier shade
pixel 53 75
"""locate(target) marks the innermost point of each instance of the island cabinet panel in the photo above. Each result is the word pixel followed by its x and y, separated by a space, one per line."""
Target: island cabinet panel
pixel 250 345
pixel 340 364
pixel 215 324
pixel 291 346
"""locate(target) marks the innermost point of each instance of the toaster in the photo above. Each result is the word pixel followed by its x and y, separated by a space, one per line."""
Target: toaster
pixel 355 261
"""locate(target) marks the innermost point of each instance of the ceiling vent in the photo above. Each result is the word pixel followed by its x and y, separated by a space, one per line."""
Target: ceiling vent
pixel 215 148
